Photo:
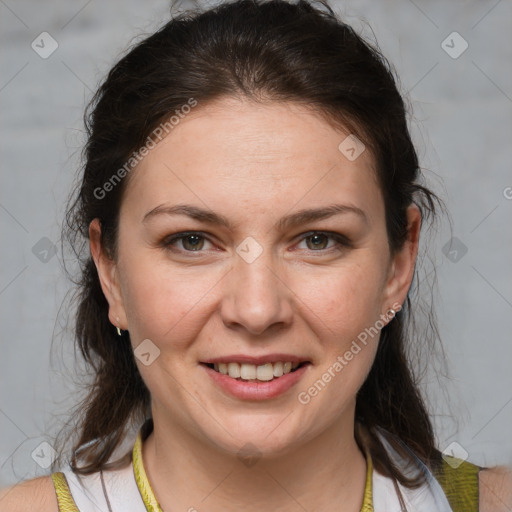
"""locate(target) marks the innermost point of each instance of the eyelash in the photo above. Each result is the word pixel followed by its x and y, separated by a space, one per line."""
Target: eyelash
pixel 342 241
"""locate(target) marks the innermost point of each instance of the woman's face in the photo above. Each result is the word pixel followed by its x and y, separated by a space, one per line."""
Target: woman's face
pixel 261 287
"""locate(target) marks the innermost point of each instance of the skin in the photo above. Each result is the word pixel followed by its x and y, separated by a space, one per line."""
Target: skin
pixel 253 164
pixel 275 160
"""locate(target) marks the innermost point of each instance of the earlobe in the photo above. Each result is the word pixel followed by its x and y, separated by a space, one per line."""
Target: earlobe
pixel 404 261
pixel 107 272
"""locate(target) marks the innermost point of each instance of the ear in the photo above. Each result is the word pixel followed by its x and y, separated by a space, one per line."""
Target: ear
pixel 401 269
pixel 108 275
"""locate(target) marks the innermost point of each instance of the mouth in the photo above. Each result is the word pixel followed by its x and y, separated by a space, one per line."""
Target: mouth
pixel 246 372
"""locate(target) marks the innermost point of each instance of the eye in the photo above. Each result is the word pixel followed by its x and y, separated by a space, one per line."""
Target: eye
pixel 190 242
pixel 317 241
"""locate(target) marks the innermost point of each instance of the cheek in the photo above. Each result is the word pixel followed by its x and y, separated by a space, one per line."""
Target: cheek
pixel 346 299
pixel 160 299
pixel 345 313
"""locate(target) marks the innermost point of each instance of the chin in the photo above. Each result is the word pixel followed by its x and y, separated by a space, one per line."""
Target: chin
pixel 269 436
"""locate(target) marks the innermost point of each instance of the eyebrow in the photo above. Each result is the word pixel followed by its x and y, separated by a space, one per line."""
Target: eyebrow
pixel 289 221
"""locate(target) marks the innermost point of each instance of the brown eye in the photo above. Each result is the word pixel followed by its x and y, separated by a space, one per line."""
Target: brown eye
pixel 193 242
pixel 318 241
pixel 190 242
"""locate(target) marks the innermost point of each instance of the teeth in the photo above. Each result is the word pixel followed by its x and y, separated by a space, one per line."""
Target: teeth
pixel 264 372
pixel 278 369
pixel 234 370
pixel 247 371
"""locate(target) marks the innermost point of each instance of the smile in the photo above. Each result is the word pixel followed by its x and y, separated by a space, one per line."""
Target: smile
pixel 251 372
pixel 256 377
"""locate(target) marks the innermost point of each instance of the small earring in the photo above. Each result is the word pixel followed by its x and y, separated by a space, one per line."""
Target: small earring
pixel 119 333
pixel 390 314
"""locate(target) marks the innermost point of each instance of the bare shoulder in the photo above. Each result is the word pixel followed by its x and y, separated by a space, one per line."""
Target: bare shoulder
pixel 495 487
pixel 35 494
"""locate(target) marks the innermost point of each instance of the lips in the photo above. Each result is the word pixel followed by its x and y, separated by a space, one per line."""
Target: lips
pixel 255 389
pixel 256 377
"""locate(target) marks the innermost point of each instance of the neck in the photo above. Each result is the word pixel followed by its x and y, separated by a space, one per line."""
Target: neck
pixel 187 473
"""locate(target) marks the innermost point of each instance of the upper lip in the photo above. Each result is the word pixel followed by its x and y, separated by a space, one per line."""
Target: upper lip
pixel 256 360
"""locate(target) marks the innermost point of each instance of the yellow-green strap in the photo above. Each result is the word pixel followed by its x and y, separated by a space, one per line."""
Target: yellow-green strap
pixel 459 480
pixel 64 498
pixel 146 492
pixel 368 490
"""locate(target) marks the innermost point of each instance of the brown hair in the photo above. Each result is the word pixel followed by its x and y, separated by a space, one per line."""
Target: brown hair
pixel 263 51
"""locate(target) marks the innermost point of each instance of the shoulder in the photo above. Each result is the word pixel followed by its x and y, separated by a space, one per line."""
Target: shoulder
pixel 35 494
pixel 495 489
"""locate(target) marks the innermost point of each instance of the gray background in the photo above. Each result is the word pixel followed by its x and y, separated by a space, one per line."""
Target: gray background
pixel 462 125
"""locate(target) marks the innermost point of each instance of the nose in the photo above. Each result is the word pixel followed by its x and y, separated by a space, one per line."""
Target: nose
pixel 256 296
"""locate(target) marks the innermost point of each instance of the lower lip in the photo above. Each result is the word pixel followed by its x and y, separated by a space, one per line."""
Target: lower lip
pixel 257 390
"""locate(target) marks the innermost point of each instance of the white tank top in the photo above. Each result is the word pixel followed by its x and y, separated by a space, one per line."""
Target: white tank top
pixel 117 491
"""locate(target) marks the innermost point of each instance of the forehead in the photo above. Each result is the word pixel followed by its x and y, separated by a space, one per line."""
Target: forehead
pixel 255 156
